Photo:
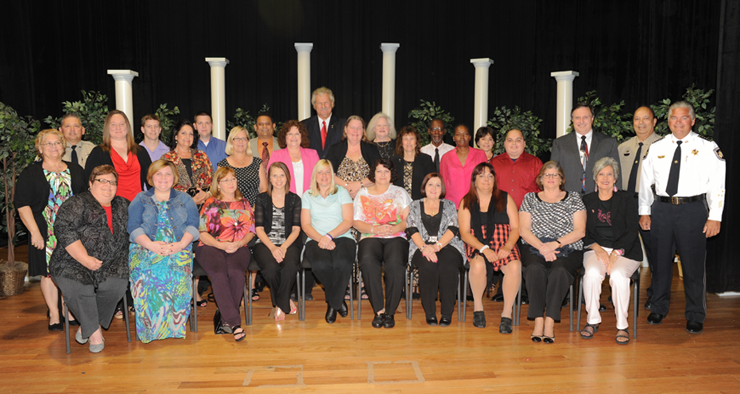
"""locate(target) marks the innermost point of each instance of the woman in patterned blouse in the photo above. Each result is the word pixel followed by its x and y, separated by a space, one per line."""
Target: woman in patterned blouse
pixel 411 165
pixel 353 156
pixel 552 223
pixel 226 227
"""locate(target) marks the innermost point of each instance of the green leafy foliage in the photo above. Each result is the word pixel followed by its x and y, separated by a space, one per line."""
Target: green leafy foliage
pixel 424 114
pixel 608 118
pixel 92 111
pixel 701 100
pixel 17 151
pixel 165 121
pixel 505 119
pixel 244 119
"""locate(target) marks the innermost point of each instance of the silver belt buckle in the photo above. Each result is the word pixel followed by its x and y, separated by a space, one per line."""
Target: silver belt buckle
pixel 432 239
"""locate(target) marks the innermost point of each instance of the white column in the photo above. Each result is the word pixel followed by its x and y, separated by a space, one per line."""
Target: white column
pixel 124 96
pixel 389 78
pixel 304 79
pixel 218 95
pixel 565 99
pixel 480 115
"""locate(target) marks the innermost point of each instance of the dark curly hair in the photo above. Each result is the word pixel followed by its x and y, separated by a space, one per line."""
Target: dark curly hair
pixel 387 163
pixel 305 143
pixel 176 130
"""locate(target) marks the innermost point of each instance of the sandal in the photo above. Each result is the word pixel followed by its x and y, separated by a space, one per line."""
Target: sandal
pixel 586 334
pixel 255 295
pixel 346 294
pixel 202 303
pixel 211 298
pixel 293 309
pixel 239 333
pixel 279 314
pixel 621 338
pixel 119 314
pixel 363 293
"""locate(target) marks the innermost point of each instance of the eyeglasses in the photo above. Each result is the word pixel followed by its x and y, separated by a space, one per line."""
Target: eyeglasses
pixel 551 175
pixel 240 139
pixel 51 144
pixel 106 182
pixel 436 129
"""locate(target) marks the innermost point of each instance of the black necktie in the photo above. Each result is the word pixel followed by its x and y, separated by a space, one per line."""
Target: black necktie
pixel 584 149
pixel 633 174
pixel 74 155
pixel 672 187
pixel 436 158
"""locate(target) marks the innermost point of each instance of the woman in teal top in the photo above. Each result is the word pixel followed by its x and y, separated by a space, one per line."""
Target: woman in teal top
pixel 326 218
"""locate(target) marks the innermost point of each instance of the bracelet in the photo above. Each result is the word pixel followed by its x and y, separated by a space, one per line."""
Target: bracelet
pixel 439 246
pixel 559 243
pixel 330 237
pixel 483 248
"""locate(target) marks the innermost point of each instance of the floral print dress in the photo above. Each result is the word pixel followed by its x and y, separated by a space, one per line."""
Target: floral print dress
pixel 161 285
pixel 59 192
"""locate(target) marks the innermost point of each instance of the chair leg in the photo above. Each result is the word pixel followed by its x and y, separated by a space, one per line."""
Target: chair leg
pixel 463 296
pixel 298 294
pixel 66 328
pixel 580 299
pixel 246 295
pixel 359 293
pixel 194 327
pixel 570 317
pixel 409 287
pixel 517 305
pixel 351 300
pixel 636 296
pixel 125 317
pixel 459 311
pixel 248 318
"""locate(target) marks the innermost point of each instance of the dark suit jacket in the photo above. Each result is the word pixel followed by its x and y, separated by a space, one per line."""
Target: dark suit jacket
pixel 334 131
pixel 625 223
pixel 423 165
pixel 339 150
pixel 565 151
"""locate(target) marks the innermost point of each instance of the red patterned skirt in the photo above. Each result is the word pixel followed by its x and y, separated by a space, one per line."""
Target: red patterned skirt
pixel 494 241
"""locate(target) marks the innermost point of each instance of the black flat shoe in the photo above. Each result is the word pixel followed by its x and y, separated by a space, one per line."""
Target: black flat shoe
pixel 432 320
pixel 378 320
pixel 308 297
pixel 649 304
pixel 655 318
pixel 445 321
pixel 548 340
pixel 505 326
pixel 56 327
pixel 343 311
pixel 331 314
pixel 389 321
pixel 479 319
pixel 536 338
pixel 694 327
pixel 602 308
pixel 525 300
pixel 498 298
pixel 74 323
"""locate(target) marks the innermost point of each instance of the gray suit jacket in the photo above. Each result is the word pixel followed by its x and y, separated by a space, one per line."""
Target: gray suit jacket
pixel 565 151
pixel 255 149
pixel 627 151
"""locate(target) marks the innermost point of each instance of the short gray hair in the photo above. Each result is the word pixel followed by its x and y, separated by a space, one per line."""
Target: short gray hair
pixel 606 162
pixel 322 90
pixel 682 104
pixel 374 121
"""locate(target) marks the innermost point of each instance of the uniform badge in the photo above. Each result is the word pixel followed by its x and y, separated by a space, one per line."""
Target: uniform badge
pixel 694 152
pixel 719 153
pixel 661 157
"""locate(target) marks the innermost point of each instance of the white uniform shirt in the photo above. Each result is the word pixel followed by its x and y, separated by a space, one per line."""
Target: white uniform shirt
pixel 702 171
pixel 429 150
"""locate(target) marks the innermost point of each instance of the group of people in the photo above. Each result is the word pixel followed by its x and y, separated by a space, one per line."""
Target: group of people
pixel 346 192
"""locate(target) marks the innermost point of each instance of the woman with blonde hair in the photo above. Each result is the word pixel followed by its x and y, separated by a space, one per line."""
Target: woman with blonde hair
pixel 382 133
pixel 326 218
pixel 250 170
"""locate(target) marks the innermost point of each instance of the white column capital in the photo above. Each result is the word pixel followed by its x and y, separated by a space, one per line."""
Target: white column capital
pixel 303 46
pixel 389 47
pixel 217 61
pixel 123 75
pixel 566 76
pixel 485 62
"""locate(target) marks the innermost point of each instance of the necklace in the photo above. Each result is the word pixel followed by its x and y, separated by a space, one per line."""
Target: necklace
pixel 427 205
pixel 382 144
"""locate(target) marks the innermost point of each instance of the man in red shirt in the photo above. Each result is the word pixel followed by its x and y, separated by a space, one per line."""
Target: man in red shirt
pixel 516 170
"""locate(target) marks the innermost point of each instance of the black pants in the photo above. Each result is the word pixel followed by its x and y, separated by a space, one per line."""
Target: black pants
pixel 680 227
pixel 548 281
pixel 279 276
pixel 391 254
pixel 441 277
pixel 332 267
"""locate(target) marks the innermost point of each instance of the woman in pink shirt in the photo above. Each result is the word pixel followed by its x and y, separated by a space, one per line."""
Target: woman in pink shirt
pixel 457 166
pixel 296 155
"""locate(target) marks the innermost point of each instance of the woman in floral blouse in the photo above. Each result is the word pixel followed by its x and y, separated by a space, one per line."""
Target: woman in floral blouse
pixel 226 227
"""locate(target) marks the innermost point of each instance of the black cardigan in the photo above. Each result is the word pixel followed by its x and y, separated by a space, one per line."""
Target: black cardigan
pixel 625 222
pixel 263 212
pixel 422 166
pixel 338 151
pixel 32 190
pixel 98 157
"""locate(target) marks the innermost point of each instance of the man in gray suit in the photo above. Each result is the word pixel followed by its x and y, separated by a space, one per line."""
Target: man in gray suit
pixel 578 152
pixel 631 154
pixel 265 140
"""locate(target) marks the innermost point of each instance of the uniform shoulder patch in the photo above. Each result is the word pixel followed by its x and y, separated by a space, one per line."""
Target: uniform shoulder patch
pixel 718 153
pixel 704 138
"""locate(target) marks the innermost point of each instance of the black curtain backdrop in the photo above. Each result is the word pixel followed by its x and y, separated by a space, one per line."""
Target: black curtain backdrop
pixel 639 52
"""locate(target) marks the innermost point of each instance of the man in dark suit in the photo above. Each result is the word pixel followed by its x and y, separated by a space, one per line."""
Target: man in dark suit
pixel 578 152
pixel 324 129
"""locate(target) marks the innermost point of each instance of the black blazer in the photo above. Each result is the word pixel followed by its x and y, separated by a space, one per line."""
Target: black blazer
pixel 263 212
pixel 422 166
pixel 98 157
pixel 565 151
pixel 334 131
pixel 338 151
pixel 625 223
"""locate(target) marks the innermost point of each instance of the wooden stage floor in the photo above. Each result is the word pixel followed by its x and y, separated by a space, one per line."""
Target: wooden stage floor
pixel 351 356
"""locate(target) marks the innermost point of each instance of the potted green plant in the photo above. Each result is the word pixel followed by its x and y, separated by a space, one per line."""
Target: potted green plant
pixel 16 152
pixel 92 111
pixel 505 119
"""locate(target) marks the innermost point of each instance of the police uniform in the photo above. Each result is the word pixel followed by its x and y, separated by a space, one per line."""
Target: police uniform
pixel 677 222
pixel 628 158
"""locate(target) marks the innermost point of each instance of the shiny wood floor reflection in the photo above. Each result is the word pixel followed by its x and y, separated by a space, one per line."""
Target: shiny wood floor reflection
pixel 351 356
